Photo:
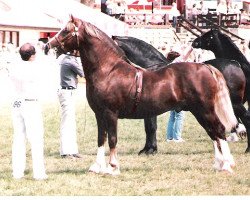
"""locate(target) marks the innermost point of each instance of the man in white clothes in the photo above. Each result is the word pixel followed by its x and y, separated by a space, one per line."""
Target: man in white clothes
pixel 27 114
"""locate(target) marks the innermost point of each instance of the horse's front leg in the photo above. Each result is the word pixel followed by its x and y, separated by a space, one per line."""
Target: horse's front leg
pixel 100 165
pixel 150 125
pixel 113 167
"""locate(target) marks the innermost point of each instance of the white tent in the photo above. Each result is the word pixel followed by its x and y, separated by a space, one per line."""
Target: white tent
pixel 53 13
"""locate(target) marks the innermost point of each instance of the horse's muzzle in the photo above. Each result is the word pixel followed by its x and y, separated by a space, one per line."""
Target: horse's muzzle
pixel 46 48
pixel 195 44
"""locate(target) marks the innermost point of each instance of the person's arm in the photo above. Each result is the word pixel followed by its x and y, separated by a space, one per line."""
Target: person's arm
pixel 183 57
pixel 76 67
pixel 187 53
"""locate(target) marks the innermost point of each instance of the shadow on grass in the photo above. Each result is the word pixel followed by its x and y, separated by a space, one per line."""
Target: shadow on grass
pixel 70 171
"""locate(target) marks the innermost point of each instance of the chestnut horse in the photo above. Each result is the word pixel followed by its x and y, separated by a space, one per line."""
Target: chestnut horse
pixel 145 55
pixel 223 47
pixel 116 89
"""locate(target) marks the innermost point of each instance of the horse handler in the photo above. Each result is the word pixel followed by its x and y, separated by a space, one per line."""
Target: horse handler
pixel 27 115
pixel 70 69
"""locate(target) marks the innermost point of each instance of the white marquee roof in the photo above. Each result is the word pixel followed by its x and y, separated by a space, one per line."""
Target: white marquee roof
pixel 53 14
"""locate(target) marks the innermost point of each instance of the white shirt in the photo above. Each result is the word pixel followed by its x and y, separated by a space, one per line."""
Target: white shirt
pixel 26 78
pixel 221 8
pixel 174 11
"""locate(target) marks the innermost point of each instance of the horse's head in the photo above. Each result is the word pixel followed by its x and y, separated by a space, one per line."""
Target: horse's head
pixel 66 40
pixel 207 41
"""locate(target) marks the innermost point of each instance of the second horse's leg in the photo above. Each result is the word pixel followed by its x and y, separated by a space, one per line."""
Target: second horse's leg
pixel 244 115
pixel 150 125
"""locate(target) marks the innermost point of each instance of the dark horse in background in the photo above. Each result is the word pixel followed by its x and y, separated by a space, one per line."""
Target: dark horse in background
pixel 153 60
pixel 145 55
pixel 223 47
pixel 116 89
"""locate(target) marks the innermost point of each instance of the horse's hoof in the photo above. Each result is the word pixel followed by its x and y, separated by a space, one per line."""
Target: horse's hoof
pixel 141 152
pixel 247 150
pixel 97 168
pixel 151 151
pixel 148 151
pixel 227 169
pixel 224 166
pixel 217 165
pixel 113 170
pixel 241 130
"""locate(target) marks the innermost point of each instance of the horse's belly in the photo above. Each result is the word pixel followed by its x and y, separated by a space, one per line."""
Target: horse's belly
pixel 141 112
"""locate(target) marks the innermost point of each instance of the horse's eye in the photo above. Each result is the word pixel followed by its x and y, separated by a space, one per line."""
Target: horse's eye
pixel 65 32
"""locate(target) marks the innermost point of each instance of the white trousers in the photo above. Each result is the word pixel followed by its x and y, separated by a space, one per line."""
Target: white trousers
pixel 68 139
pixel 27 124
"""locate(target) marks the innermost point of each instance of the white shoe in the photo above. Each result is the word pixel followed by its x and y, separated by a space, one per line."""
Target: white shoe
pixel 233 138
pixel 179 140
pixel 170 140
pixel 18 176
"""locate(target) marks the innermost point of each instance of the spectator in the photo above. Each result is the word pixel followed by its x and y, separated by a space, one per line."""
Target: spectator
pixel 175 14
pixel 103 6
pixel 195 12
pixel 175 123
pixel 222 7
pixel 203 8
pixel 27 115
pixel 119 11
pixel 110 7
pixel 244 17
pixel 70 69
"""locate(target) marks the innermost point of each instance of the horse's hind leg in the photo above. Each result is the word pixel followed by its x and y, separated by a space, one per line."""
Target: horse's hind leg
pixel 244 115
pixel 248 131
pixel 150 125
pixel 223 158
pixel 216 131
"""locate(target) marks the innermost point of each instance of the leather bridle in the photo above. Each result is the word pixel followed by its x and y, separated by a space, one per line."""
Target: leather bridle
pixel 67 37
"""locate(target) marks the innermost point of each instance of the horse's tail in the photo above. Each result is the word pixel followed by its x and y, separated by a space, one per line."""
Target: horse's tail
pixel 223 105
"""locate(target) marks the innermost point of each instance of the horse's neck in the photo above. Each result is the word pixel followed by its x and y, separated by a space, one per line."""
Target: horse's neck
pixel 218 49
pixel 143 55
pixel 230 51
pixel 97 56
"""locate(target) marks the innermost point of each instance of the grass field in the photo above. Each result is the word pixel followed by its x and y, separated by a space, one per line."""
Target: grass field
pixel 177 169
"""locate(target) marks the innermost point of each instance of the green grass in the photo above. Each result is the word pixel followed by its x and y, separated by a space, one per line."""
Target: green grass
pixel 177 169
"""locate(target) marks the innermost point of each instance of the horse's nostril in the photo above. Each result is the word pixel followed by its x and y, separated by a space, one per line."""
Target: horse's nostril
pixel 46 49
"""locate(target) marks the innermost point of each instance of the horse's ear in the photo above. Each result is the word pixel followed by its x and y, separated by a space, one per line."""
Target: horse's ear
pixel 71 18
pixel 215 31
